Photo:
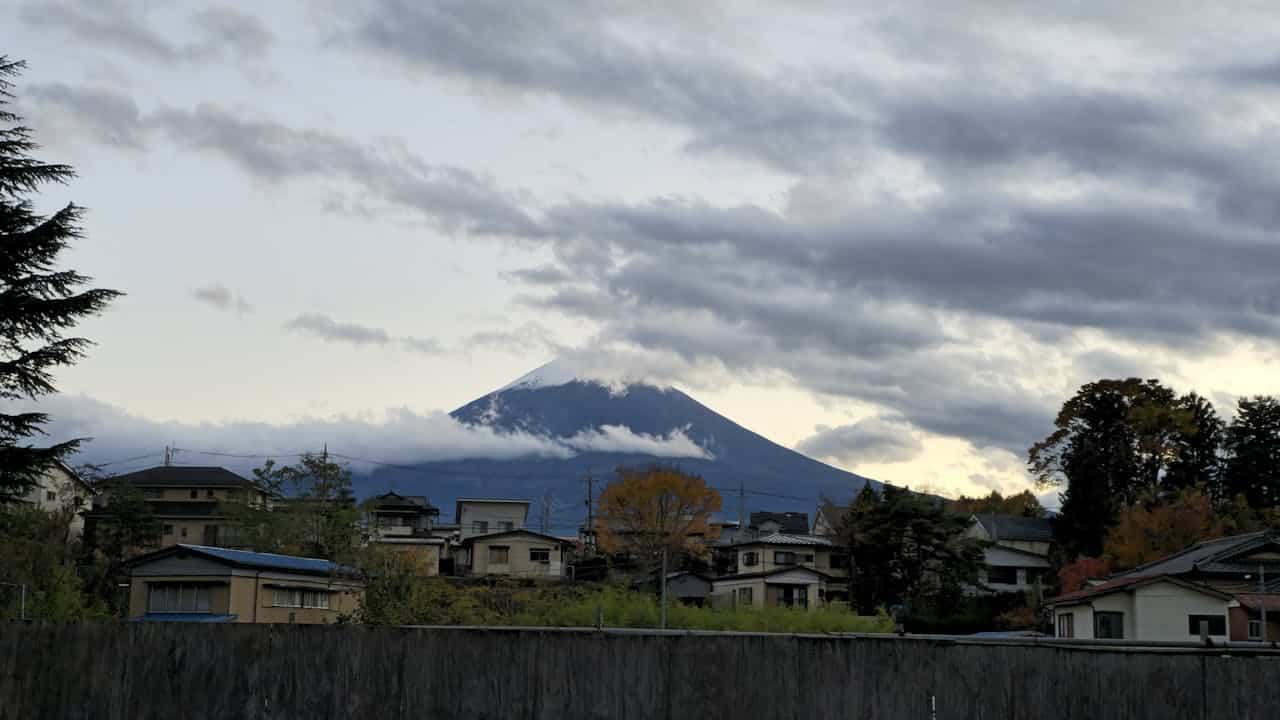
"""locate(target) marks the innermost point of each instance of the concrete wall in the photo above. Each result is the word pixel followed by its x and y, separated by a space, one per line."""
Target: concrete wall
pixel 115 671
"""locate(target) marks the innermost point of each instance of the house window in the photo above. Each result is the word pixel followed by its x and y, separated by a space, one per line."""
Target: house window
pixel 1002 575
pixel 750 559
pixel 291 598
pixel 480 526
pixel 540 555
pixel 784 558
pixel 208 494
pixel 195 494
pixel 168 529
pixel 507 526
pixel 1255 629
pixel 1108 625
pixel 745 596
pixel 1217 624
pixel 839 561
pixel 184 532
pixel 175 598
pixel 152 493
pixel 808 557
pixel 1066 625
pixel 50 495
pixel 499 554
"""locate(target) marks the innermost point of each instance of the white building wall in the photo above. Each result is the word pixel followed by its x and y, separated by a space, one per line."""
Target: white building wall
pixel 492 513
pixel 56 492
pixel 1162 610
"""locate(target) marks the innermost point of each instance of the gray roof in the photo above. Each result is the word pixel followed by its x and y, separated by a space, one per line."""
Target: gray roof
pixel 1209 556
pixel 794 523
pixel 1016 527
pixel 182 476
pixel 786 539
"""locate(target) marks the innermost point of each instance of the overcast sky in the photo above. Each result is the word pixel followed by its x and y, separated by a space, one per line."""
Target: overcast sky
pixel 896 239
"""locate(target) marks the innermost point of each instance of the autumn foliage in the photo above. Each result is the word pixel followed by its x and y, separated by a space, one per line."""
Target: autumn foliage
pixel 642 511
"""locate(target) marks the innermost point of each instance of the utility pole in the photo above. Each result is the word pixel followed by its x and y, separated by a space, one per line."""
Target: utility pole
pixel 591 519
pixel 168 455
pixel 742 510
pixel 1262 601
pixel 545 512
pixel 324 453
pixel 663 579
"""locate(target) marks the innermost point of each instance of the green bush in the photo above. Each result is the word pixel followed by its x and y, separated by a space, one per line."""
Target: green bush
pixel 438 601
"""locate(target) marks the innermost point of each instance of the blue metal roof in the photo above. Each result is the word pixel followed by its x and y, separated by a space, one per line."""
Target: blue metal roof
pixel 270 561
pixel 185 617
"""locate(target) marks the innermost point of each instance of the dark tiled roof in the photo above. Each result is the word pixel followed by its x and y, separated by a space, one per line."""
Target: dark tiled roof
pixel 1131 583
pixel 391 500
pixel 184 476
pixel 1016 527
pixel 791 523
pixel 1206 556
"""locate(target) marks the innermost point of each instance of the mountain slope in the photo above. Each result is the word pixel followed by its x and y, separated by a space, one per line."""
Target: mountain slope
pixel 551 402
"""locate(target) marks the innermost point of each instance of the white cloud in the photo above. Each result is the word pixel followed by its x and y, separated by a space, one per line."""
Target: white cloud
pixel 617 438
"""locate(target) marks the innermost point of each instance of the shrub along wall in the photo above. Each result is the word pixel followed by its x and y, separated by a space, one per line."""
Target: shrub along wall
pixel 119 671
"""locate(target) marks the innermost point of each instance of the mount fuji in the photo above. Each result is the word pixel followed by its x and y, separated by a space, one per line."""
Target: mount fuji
pixel 603 425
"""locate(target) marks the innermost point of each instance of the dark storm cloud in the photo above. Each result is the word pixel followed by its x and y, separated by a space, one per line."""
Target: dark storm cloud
pixel 581 53
pixel 871 440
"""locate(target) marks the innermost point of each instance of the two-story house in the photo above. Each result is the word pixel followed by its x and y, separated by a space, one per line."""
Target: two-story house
pixel 782 569
pixel 406 524
pixel 61 490
pixel 1016 557
pixel 186 501
pixel 481 516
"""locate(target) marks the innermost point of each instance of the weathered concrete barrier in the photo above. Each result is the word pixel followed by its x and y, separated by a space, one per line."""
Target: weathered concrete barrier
pixel 126 671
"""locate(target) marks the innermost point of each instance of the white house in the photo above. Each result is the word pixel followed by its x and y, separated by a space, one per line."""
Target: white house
pixel 1218 584
pixel 1159 608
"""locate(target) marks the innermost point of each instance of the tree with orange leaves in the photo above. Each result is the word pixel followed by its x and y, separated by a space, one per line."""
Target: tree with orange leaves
pixel 644 511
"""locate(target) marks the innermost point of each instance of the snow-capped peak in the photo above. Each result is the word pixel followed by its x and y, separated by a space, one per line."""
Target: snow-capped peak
pixel 553 374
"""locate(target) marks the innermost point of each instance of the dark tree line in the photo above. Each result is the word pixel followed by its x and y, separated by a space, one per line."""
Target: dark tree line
pixel 1118 443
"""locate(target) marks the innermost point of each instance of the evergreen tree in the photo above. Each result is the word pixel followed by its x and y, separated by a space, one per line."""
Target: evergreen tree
pixel 1252 467
pixel 904 547
pixel 1114 444
pixel 38 301
pixel 1199 444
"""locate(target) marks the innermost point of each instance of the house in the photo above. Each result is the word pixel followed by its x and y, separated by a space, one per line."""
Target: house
pixel 1016 556
pixel 1218 584
pixel 482 516
pixel 794 586
pixel 762 561
pixel 683 586
pixel 195 583
pixel 405 524
pixel 62 490
pixel 790 523
pixel 515 553
pixel 185 500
